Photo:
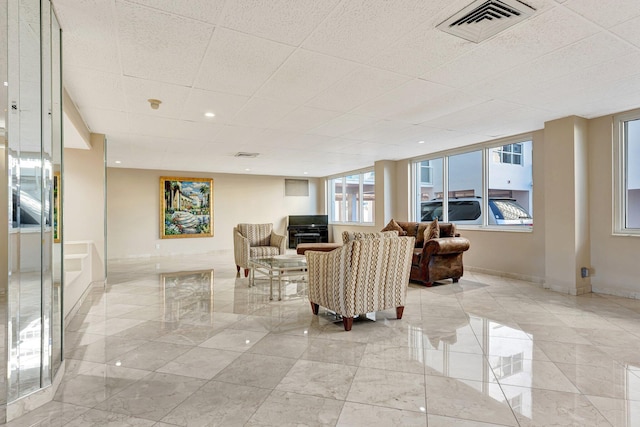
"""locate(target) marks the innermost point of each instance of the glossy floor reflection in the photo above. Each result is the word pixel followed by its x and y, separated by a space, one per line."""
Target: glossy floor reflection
pixel 184 342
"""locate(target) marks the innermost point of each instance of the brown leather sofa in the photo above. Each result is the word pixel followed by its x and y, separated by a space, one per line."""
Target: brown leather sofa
pixel 437 259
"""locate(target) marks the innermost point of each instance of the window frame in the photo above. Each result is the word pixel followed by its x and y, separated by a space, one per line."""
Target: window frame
pixel 501 153
pixel 332 198
pixel 619 169
pixel 487 149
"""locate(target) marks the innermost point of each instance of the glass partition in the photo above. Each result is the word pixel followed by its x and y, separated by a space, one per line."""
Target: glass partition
pixel 33 153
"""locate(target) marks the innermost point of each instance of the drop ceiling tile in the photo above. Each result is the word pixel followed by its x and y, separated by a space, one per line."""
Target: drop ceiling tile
pixel 239 63
pixel 598 48
pixel 138 91
pixel 259 112
pixel 629 31
pixel 280 20
pixel 573 91
pixel 402 100
pixel 159 46
pixel 81 85
pixel 424 49
pixel 234 136
pixel 518 45
pixel 89 34
pixel 151 125
pixel 106 121
pixel 606 13
pixel 343 124
pixel 304 118
pixel 478 118
pixel 224 105
pixel 303 76
pixel 202 10
pixel 362 85
pixel 358 29
pixel 441 105
pixel 379 131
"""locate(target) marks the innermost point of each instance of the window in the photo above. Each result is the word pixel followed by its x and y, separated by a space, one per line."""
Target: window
pixel 471 176
pixel 429 182
pixel 627 181
pixel 510 153
pixel 353 198
pixel 426 173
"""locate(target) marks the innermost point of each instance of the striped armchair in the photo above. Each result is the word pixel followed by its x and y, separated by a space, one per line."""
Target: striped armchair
pixel 255 240
pixel 362 276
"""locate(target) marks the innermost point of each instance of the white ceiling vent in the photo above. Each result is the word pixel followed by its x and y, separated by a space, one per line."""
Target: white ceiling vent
pixel 246 155
pixel 485 18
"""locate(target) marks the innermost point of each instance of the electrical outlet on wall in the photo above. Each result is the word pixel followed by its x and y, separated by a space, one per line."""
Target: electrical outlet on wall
pixel 157 245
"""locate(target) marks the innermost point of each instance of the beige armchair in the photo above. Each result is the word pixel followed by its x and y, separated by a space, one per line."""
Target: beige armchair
pixel 362 276
pixel 255 240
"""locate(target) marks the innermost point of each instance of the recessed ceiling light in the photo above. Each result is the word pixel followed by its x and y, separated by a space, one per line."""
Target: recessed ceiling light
pixel 306 173
pixel 247 169
pixel 6 83
pixel 117 162
pixel 420 142
pixel 209 114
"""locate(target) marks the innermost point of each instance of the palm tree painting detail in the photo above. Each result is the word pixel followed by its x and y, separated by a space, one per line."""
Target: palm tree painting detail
pixel 186 209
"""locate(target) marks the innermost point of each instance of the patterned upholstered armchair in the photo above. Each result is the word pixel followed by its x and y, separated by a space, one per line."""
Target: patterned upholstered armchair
pixel 362 276
pixel 255 240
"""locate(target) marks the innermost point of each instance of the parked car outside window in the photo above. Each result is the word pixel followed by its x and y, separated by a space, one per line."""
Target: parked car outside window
pixel 468 210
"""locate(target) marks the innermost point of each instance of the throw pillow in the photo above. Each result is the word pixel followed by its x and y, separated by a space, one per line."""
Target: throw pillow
pixel 393 225
pixel 348 236
pixel 432 231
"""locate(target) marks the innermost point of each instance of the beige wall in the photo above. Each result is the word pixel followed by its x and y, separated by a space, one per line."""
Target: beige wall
pixel 83 198
pixel 133 200
pixel 614 259
pixel 133 213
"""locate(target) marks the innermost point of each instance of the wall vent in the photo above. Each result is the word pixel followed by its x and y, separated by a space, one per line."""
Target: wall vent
pixel 296 187
pixel 246 155
pixel 485 18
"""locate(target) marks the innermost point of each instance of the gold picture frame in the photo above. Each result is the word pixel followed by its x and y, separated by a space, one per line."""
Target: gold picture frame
pixel 186 208
pixel 57 196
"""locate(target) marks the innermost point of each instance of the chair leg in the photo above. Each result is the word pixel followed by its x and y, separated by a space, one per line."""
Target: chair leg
pixel 314 307
pixel 246 272
pixel 399 311
pixel 238 268
pixel 347 322
pixel 455 279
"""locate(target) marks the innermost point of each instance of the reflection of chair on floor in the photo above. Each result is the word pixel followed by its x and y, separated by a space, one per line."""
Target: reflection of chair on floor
pixel 255 240
pixel 362 276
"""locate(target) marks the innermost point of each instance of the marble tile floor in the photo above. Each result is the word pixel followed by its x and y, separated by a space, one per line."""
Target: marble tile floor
pixel 185 342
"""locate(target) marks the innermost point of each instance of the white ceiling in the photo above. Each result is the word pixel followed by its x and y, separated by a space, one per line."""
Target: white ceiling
pixel 324 87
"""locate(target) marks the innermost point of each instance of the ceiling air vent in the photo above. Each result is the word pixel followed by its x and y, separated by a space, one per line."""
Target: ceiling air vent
pixel 485 18
pixel 246 155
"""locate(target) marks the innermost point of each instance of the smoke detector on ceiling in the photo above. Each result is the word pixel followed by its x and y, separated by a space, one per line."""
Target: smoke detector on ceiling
pixel 485 18
pixel 154 103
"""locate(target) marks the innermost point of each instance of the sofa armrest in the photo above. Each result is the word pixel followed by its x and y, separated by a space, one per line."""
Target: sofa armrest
pixel 278 241
pixel 445 245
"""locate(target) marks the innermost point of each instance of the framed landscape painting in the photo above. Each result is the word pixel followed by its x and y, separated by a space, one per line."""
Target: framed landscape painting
pixel 186 208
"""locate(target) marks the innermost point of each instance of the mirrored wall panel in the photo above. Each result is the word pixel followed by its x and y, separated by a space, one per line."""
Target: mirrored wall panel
pixel 33 156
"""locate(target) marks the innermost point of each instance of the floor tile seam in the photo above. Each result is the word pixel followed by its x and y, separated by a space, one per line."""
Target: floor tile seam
pixel 184 400
pixel 533 387
pixel 377 405
pixel 603 415
pixel 477 421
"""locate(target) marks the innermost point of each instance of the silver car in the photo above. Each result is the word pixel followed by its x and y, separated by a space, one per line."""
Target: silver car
pixel 468 210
